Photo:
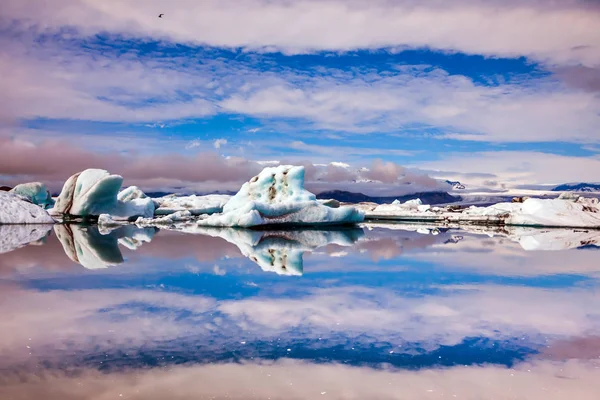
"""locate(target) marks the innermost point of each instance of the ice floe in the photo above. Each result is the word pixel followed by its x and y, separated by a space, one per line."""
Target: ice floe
pixel 94 192
pixel 15 209
pixel 277 197
pixel 36 192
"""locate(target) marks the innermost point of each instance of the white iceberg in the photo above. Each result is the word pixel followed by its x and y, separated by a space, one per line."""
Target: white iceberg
pixel 13 237
pixel 277 196
pixel 16 210
pixel 94 192
pixel 282 251
pixel 196 205
pixel 36 192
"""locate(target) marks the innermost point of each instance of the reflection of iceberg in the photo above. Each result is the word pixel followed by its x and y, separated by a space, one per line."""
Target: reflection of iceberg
pixel 281 251
pixel 14 236
pixel 530 239
pixel 85 245
pixel 554 239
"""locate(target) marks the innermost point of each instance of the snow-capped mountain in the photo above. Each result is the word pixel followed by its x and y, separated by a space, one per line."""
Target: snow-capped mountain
pixel 456 185
pixel 578 187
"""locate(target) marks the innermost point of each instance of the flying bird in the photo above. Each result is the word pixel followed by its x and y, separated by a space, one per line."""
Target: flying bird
pixel 160 15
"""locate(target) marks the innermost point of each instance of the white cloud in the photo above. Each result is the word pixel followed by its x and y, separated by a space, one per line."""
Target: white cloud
pixel 218 143
pixel 539 29
pixel 517 167
pixel 61 83
pixel 193 144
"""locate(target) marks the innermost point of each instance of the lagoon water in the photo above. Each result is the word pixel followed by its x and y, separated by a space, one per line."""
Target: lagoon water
pixel 376 312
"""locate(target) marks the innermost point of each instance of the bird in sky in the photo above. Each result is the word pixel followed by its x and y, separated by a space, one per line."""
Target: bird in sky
pixel 160 15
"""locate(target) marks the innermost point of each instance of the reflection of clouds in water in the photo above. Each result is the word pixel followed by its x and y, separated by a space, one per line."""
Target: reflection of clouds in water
pixel 290 379
pixel 92 321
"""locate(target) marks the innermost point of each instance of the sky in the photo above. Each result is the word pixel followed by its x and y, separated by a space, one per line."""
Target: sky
pixel 372 96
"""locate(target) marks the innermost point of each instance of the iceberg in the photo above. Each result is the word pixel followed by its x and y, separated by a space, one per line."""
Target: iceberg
pixel 13 237
pixel 36 192
pixel 282 251
pixel 94 192
pixel 195 205
pixel 87 246
pixel 15 209
pixel 277 197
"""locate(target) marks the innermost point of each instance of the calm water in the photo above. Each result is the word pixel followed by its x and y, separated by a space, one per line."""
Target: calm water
pixel 374 312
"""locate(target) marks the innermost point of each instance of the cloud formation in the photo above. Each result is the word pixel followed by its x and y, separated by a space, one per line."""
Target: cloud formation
pixel 538 29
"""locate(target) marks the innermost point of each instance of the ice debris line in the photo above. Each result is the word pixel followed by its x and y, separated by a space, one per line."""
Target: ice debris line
pixel 568 210
pixel 277 196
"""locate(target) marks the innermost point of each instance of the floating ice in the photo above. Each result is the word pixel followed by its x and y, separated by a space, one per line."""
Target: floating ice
pixel 16 210
pixel 196 205
pixel 94 192
pixel 277 196
pixel 36 192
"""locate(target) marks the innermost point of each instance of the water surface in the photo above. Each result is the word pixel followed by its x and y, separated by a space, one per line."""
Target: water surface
pixel 380 311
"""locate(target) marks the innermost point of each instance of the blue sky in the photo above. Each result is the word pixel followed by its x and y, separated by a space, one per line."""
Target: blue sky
pixel 495 94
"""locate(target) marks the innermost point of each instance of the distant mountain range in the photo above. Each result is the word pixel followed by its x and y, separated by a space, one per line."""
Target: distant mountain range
pixel 162 194
pixel 456 185
pixel 578 187
pixel 351 197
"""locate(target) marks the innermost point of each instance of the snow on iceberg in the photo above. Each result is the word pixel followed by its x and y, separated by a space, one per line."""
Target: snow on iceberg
pixel 95 191
pixel 36 192
pixel 13 237
pixel 196 205
pixel 87 246
pixel 282 251
pixel 17 210
pixel 277 196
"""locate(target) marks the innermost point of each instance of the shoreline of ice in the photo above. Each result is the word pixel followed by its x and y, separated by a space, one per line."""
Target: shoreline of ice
pixel 275 197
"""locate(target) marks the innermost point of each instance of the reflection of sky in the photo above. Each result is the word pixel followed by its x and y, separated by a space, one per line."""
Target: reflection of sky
pixel 394 297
